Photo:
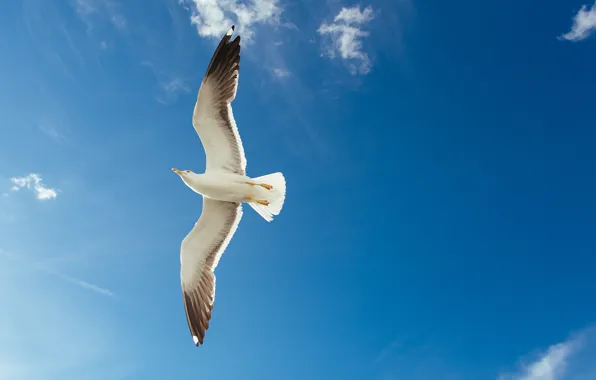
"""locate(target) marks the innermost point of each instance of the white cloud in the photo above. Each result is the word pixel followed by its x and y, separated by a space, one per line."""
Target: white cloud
pixel 569 360
pixel 34 182
pixel 354 15
pixel 346 35
pixel 550 366
pixel 213 18
pixel 584 24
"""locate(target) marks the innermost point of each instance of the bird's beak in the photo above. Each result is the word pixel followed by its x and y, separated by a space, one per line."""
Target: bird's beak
pixel 176 171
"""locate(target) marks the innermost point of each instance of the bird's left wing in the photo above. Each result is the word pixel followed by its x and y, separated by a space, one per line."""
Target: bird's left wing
pixel 200 252
pixel 212 116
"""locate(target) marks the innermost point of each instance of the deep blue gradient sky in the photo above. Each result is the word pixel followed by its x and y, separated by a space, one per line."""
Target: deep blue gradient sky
pixel 440 212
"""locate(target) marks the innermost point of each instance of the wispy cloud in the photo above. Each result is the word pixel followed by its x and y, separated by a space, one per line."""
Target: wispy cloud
pixel 346 32
pixel 34 182
pixel 88 9
pixel 387 350
pixel 280 73
pixel 584 24
pixel 214 17
pixel 572 359
pixel 52 37
pixel 170 87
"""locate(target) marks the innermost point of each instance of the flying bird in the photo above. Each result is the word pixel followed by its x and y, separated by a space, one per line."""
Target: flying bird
pixel 224 186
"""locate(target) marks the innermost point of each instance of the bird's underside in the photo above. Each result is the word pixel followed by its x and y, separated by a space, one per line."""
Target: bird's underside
pixel 201 249
pixel 204 245
pixel 214 122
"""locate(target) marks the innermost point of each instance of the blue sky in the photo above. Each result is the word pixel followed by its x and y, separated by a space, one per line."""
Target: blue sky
pixel 440 214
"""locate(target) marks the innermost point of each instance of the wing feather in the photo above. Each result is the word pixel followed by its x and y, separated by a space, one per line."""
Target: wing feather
pixel 212 117
pixel 200 252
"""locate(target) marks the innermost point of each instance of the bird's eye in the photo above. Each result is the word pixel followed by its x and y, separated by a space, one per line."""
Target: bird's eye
pixel 187 171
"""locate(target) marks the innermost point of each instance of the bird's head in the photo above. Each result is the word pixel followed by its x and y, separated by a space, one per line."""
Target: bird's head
pixel 185 175
pixel 181 173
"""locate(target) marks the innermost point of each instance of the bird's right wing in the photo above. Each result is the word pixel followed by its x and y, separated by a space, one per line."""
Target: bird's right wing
pixel 200 252
pixel 212 117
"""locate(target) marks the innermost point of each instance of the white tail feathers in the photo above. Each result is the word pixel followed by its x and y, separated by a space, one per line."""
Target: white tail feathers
pixel 276 196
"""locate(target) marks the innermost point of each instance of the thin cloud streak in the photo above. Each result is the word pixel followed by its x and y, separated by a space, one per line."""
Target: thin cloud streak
pixel 65 346
pixel 39 266
pixel 45 25
pixel 49 129
pixel 81 283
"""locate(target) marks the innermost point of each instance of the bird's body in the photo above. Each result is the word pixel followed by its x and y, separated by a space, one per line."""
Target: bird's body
pixel 237 188
pixel 224 186
pixel 221 186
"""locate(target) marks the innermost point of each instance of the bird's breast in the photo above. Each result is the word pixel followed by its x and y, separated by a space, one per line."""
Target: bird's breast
pixel 223 187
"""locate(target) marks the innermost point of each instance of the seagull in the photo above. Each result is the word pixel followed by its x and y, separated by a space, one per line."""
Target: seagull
pixel 224 186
